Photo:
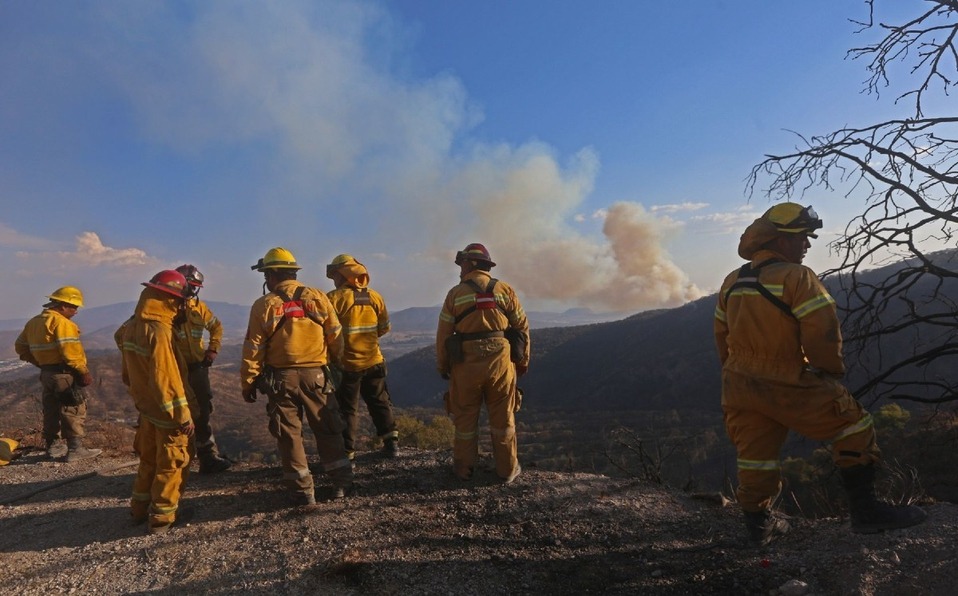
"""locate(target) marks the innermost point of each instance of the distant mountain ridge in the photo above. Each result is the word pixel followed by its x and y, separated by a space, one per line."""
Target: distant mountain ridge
pixel 411 327
pixel 655 360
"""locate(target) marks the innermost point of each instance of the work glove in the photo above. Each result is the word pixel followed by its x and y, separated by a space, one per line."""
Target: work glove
pixel 249 395
pixel 84 380
pixel 209 357
pixel 187 428
pixel 522 369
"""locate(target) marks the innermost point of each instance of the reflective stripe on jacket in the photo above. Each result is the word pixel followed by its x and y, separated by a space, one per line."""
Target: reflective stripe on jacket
pixel 311 340
pixel 51 338
pixel 462 297
pixel 363 324
pixel 150 367
pixel 755 338
pixel 189 335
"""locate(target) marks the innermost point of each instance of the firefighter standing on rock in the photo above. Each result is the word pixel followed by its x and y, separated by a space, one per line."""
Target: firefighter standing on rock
pixel 197 318
pixel 363 315
pixel 152 374
pixel 51 341
pixel 293 333
pixel 779 341
pixel 473 353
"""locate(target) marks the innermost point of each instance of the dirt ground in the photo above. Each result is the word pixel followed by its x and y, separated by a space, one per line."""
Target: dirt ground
pixel 411 527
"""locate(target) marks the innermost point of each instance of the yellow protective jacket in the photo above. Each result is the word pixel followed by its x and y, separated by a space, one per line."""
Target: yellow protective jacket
pixel 363 315
pixel 462 297
pixel 189 334
pixel 51 338
pixel 311 340
pixel 150 370
pixel 755 338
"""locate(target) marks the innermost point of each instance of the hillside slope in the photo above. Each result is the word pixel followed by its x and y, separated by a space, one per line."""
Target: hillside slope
pixel 412 528
pixel 662 359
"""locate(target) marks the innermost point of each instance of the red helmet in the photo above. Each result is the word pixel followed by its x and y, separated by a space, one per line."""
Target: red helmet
pixel 474 252
pixel 169 281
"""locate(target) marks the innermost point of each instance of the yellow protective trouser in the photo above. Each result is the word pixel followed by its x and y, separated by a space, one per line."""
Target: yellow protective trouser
pixel 486 374
pixel 760 412
pixel 59 419
pixel 302 392
pixel 164 459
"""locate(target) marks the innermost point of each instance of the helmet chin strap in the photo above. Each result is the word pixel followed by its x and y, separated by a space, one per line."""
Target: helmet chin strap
pixel 265 291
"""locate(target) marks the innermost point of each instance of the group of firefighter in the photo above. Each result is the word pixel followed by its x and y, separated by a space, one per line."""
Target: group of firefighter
pixel 776 330
pixel 312 355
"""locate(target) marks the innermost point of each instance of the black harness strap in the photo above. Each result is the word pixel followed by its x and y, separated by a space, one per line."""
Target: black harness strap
pixel 360 297
pixel 473 308
pixel 297 297
pixel 748 278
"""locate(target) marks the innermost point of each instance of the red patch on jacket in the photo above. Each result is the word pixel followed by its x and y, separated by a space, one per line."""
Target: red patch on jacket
pixel 485 301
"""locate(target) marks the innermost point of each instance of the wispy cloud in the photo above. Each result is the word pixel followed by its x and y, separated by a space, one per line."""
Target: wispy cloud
pixel 678 207
pixel 89 251
pixel 726 222
pixel 11 238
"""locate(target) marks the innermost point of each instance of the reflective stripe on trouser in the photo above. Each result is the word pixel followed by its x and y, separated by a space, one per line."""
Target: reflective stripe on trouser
pixel 759 414
pixel 302 393
pixel 370 384
pixel 58 419
pixel 164 458
pixel 199 378
pixel 486 374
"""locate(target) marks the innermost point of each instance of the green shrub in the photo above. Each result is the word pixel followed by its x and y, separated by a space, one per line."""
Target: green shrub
pixel 437 434
pixel 891 417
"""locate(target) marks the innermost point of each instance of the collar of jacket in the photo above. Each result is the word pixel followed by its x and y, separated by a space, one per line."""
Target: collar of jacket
pixel 765 254
pixel 287 287
pixel 485 275
pixel 53 313
pixel 155 305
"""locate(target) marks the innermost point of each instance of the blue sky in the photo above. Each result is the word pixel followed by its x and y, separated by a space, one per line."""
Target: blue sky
pixel 599 149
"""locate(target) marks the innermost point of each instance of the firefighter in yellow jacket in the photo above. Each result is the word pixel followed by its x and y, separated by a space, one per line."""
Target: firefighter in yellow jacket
pixel 196 319
pixel 363 315
pixel 152 375
pixel 779 341
pixel 51 341
pixel 474 354
pixel 293 335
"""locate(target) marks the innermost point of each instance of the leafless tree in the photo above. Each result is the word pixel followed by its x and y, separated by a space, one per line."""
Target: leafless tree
pixel 901 329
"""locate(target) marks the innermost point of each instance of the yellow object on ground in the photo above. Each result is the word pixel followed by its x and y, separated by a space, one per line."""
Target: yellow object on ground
pixel 7 447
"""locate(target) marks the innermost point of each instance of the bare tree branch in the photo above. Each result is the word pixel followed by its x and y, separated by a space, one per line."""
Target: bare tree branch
pixel 901 329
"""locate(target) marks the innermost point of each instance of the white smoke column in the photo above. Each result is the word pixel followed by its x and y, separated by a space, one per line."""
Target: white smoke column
pixel 364 158
pixel 520 202
pixel 645 274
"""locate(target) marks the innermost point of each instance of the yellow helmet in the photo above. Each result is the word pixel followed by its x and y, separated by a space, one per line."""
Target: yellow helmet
pixel 68 295
pixel 339 261
pixel 792 218
pixel 276 258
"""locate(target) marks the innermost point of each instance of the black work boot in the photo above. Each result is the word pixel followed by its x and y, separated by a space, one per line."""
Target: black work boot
pixel 212 463
pixel 391 447
pixel 764 527
pixel 76 451
pixel 56 448
pixel 869 515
